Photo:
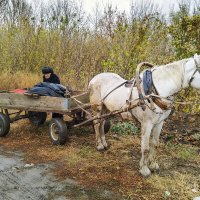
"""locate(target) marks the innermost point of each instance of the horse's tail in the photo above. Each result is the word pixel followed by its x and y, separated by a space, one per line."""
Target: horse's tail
pixel 92 83
pixel 90 86
pixel 94 91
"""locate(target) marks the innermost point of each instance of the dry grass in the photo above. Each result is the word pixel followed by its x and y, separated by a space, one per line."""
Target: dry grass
pixel 177 185
pixel 179 173
pixel 22 79
pixel 18 80
pixel 115 169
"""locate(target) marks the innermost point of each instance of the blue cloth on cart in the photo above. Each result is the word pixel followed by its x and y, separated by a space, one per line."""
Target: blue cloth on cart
pixel 48 89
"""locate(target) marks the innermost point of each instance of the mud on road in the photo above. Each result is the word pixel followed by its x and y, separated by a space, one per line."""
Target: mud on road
pixel 21 181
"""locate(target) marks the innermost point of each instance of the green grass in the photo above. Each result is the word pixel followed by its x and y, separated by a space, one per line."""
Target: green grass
pixel 124 128
pixel 183 152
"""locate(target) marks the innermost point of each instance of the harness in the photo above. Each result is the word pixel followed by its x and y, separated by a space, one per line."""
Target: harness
pixel 134 82
pixel 123 83
pixel 158 100
pixel 153 97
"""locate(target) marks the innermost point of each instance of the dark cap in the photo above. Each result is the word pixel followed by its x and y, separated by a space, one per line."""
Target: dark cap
pixel 47 70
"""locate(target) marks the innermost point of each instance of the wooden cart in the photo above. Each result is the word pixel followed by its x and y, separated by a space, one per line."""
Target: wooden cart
pixel 16 106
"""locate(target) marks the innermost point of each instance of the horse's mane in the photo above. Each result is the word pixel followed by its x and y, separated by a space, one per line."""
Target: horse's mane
pixel 173 64
pixel 174 68
pixel 172 73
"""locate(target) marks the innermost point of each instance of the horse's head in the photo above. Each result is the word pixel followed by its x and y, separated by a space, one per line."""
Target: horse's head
pixel 193 72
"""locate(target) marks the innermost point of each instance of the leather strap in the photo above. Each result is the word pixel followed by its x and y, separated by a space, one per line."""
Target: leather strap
pixel 113 90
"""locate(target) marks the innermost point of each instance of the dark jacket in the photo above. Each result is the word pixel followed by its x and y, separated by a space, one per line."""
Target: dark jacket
pixel 53 79
pixel 48 89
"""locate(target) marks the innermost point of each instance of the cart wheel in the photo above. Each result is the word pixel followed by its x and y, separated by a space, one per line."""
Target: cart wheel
pixel 58 131
pixel 37 118
pixel 107 126
pixel 4 125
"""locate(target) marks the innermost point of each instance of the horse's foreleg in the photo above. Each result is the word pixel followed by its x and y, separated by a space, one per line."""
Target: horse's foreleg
pixel 154 142
pixel 146 132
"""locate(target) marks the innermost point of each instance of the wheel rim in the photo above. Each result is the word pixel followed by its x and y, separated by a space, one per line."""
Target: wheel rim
pixel 54 132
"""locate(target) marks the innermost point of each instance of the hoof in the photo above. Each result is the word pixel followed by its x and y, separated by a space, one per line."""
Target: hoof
pixel 105 145
pixel 100 147
pixel 106 148
pixel 145 171
pixel 154 166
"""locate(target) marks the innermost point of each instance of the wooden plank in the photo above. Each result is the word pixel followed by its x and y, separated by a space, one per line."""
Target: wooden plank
pixel 42 104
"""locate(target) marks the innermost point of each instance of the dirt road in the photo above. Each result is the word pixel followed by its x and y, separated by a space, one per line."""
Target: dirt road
pixel 19 180
pixel 76 171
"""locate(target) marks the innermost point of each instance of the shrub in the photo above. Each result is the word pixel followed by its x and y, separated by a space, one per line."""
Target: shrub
pixel 124 128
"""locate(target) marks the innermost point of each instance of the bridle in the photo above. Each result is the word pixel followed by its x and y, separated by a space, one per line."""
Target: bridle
pixel 196 70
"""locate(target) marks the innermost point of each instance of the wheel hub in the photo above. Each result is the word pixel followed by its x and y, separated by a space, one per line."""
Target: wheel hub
pixel 54 131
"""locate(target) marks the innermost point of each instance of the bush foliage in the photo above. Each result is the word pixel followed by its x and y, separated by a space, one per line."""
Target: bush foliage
pixel 78 46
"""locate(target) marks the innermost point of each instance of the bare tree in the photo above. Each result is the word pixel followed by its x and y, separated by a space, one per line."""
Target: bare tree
pixel 15 11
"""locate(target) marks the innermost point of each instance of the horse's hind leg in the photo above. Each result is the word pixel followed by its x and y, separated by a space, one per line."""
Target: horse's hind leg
pixel 146 132
pixel 97 126
pixel 154 142
pixel 103 137
pixel 102 131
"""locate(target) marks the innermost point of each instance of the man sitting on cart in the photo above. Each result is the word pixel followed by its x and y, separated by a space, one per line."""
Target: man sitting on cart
pixel 49 76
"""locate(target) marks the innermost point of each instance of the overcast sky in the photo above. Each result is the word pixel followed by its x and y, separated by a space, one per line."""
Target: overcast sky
pixel 122 5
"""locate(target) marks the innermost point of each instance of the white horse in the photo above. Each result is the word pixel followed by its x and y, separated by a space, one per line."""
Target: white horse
pixel 168 80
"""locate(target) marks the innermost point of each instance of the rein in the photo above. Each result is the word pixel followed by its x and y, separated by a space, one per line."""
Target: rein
pixel 114 90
